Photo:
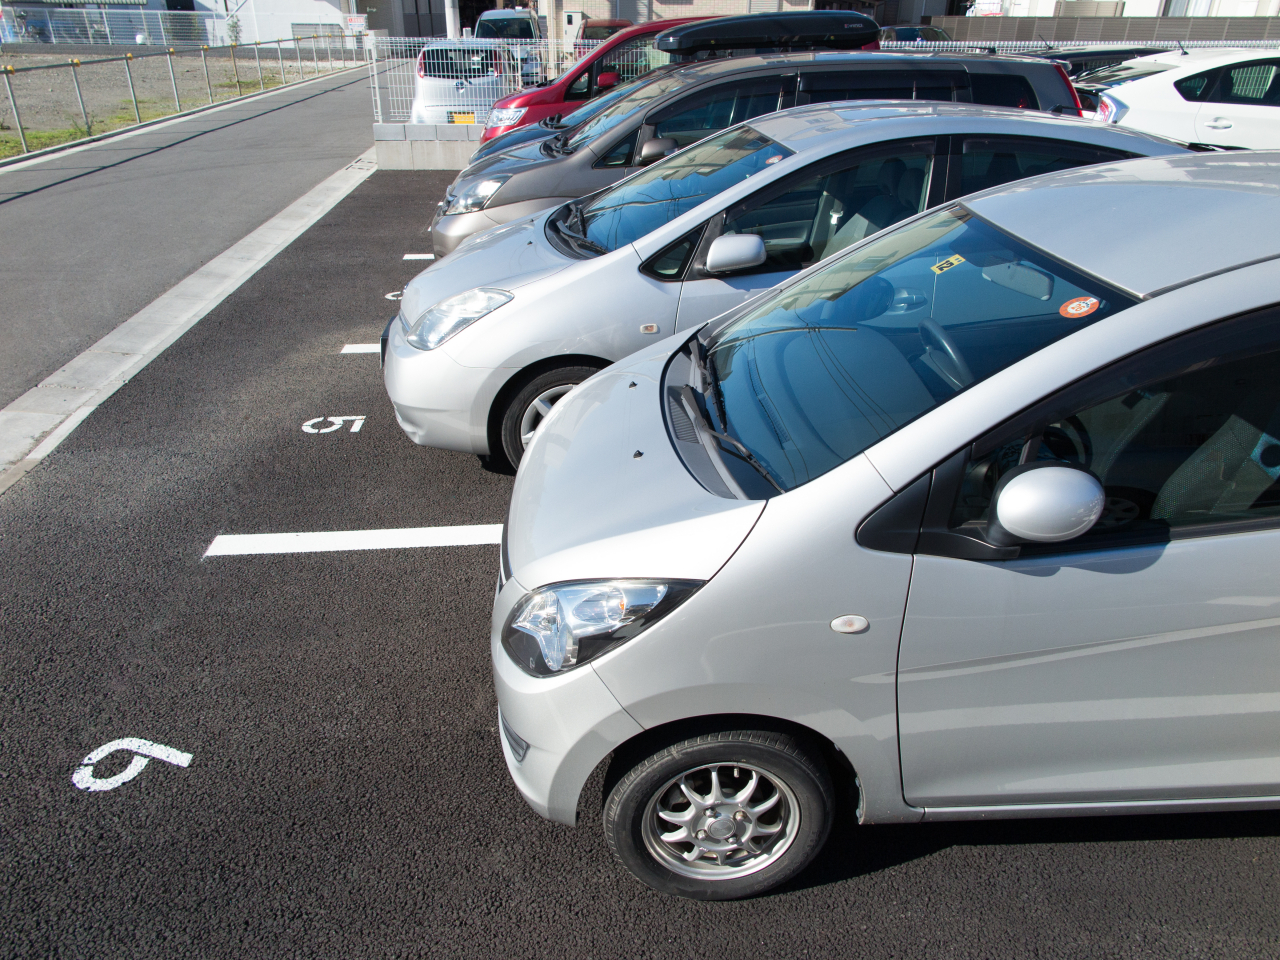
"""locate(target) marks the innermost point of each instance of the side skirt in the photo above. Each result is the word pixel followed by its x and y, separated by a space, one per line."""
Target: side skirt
pixel 1015 811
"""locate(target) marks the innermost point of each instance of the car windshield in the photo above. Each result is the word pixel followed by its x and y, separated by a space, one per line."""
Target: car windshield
pixel 598 33
pixel 679 183
pixel 505 28
pixel 1119 73
pixel 629 102
pixel 831 365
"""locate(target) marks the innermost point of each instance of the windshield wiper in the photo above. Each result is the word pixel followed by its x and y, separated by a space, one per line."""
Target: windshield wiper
pixel 578 239
pixel 690 403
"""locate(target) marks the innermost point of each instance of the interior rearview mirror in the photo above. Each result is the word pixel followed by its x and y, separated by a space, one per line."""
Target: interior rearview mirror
pixel 610 78
pixel 1044 502
pixel 736 251
pixel 657 148
pixel 1021 279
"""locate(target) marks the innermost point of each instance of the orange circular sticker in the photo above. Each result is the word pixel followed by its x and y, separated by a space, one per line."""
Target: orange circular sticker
pixel 1079 307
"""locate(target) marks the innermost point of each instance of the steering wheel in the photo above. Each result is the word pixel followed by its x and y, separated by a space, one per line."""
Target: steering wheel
pixel 946 356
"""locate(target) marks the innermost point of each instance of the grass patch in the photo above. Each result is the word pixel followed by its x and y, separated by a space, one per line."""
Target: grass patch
pixel 11 146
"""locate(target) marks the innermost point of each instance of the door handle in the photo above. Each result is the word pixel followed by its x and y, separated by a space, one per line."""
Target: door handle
pixel 1218 123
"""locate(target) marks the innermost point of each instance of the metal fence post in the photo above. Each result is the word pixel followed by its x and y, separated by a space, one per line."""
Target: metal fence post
pixel 207 83
pixel 280 57
pixel 132 93
pixel 14 105
pixel 297 49
pixel 373 75
pixel 75 78
pixel 328 48
pixel 177 104
pixel 257 58
pixel 315 55
pixel 235 69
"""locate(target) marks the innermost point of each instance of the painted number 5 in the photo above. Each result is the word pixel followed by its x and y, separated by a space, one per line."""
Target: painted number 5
pixel 335 423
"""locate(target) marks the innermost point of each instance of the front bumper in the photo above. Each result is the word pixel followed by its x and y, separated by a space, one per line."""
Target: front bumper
pixel 447 231
pixel 567 724
pixel 438 402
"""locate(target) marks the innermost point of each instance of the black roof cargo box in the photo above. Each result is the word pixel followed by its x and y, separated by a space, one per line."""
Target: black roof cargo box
pixel 801 30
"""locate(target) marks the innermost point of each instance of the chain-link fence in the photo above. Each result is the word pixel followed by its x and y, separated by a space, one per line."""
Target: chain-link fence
pixel 50 101
pixel 440 81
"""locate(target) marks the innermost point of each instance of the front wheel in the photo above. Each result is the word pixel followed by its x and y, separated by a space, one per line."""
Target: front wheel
pixel 531 404
pixel 721 816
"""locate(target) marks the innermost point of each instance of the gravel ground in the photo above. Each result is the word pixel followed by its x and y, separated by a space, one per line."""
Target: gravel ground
pixel 47 98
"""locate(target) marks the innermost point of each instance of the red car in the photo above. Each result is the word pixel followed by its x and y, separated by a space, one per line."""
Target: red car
pixel 624 56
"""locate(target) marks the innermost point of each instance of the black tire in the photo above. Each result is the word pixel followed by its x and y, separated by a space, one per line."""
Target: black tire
pixel 650 785
pixel 514 415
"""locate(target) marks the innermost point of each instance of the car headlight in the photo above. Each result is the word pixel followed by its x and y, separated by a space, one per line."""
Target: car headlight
pixel 506 116
pixel 441 321
pixel 475 196
pixel 562 626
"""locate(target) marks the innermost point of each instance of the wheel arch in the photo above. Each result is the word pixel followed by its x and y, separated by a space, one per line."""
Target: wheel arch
pixel 516 382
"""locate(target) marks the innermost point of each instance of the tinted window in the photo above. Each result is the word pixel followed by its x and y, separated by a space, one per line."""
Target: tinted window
pixel 620 153
pixel 1197 448
pixel 821 214
pixel 1256 83
pixel 706 112
pixel 1003 90
pixel 505 28
pixel 830 365
pixel 671 262
pixel 876 85
pixel 990 162
pixel 580 88
pixel 667 189
pixel 1197 87
pixel 1124 73
pixel 598 33
pixel 458 63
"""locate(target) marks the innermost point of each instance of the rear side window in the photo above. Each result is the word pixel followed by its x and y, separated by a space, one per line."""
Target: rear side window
pixel 1197 87
pixel 708 112
pixel 877 85
pixel 1255 83
pixel 506 28
pixel 1003 90
pixel 458 63
pixel 989 162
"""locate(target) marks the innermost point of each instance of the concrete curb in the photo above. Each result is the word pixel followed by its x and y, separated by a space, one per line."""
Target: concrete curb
pixel 32 426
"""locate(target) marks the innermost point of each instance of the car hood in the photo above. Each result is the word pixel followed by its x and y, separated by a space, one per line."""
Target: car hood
pixel 526 156
pixel 601 492
pixel 508 257
pixel 506 142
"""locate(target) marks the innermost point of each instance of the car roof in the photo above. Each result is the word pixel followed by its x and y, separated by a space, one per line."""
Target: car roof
pixel 802 128
pixel 1150 224
pixel 597 22
pixel 506 14
pixel 726 65
pixel 1205 56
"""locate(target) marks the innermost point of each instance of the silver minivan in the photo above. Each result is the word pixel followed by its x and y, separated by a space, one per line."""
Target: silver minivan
pixel 978 519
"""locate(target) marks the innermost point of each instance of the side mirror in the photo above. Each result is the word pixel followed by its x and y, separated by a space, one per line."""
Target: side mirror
pixel 608 79
pixel 736 251
pixel 1044 503
pixel 656 149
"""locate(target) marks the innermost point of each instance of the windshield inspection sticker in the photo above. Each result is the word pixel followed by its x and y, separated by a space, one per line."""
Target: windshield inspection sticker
pixel 948 263
pixel 144 751
pixel 1079 307
pixel 335 424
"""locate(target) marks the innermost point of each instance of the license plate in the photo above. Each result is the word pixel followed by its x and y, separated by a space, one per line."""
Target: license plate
pixel 461 117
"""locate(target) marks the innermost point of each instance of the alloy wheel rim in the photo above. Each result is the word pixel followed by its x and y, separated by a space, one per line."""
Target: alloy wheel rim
pixel 537 411
pixel 721 821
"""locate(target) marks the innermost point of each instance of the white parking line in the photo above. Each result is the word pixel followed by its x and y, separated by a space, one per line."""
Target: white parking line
pixel 250 544
pixel 419 256
pixel 362 348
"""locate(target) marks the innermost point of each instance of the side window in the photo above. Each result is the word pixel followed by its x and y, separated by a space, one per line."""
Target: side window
pixel 1256 83
pixel 1197 87
pixel 634 58
pixel 989 162
pixel 1196 448
pixel 1003 90
pixel 619 155
pixel 876 85
pixel 708 112
pixel 580 88
pixel 828 211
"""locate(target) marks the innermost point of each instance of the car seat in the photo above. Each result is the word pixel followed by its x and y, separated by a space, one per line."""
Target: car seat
pixel 878 212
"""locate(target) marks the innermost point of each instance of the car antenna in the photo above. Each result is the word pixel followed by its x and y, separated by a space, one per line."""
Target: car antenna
pixel 1182 48
pixel 1047 44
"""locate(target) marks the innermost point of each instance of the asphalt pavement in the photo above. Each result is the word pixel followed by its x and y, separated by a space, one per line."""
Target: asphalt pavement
pixel 346 794
pixel 90 236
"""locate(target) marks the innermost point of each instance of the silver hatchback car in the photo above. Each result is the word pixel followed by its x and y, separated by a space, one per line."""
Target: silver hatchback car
pixel 978 519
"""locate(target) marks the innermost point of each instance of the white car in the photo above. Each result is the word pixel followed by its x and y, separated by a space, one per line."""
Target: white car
pixel 459 80
pixel 1221 98
pixel 490 337
pixel 520 30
